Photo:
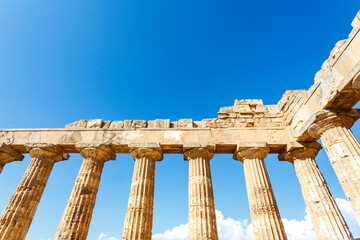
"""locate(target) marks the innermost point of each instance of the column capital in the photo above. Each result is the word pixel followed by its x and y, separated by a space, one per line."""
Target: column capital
pixel 192 151
pixel 251 150
pixel 7 154
pixel 152 153
pixel 324 120
pixel 98 151
pixel 47 150
pixel 299 150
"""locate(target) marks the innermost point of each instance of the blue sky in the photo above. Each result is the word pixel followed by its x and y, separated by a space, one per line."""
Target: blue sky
pixel 61 61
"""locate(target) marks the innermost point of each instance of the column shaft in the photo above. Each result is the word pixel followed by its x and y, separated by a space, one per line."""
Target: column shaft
pixel 17 217
pixel 326 217
pixel 138 220
pixel 76 219
pixel 265 214
pixel 343 150
pixel 202 217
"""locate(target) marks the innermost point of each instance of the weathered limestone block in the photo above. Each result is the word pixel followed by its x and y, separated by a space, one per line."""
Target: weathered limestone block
pixel 343 150
pixel 250 114
pixel 159 123
pixel 7 155
pixel 265 216
pixel 356 25
pixel 206 123
pixel 185 123
pixel 76 219
pixel 224 123
pixel 226 110
pixel 202 218
pixel 334 54
pixel 198 124
pixel 18 214
pixel 139 124
pixel 240 123
pixel 138 220
pixel 77 124
pixel 345 53
pixel 116 124
pixel 326 217
pixel 222 115
pixel 127 123
pixel 95 123
pixel 106 124
pixel 356 22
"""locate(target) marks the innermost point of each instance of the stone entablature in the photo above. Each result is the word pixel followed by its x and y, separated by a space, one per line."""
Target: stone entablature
pixel 249 114
pixel 336 86
pixel 171 140
pixel 244 114
pixel 291 102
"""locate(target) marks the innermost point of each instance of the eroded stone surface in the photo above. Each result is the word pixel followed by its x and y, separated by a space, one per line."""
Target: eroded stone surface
pixel 335 86
pixel 18 214
pixel 265 216
pixel 202 218
pixel 244 113
pixel 326 217
pixel 7 155
pixel 74 223
pixel 343 150
pixel 138 220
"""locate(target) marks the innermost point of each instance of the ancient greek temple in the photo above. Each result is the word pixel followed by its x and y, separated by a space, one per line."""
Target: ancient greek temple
pixel 249 130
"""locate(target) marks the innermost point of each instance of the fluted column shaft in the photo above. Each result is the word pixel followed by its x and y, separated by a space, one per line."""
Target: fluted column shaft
pixel 326 217
pixel 343 150
pixel 265 216
pixel 76 219
pixel 18 215
pixel 138 220
pixel 202 217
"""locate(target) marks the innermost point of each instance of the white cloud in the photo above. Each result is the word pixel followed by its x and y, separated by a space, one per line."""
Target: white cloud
pixel 177 233
pixel 228 229
pixel 300 230
pixel 104 236
pixel 349 216
pixel 231 229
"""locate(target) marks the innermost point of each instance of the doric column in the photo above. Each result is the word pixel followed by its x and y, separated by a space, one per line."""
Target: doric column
pixel 138 220
pixel 325 215
pixel 265 216
pixel 7 155
pixel 343 150
pixel 76 219
pixel 17 217
pixel 202 218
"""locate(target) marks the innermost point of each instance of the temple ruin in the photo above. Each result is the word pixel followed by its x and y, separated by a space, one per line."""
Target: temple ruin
pixel 249 130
